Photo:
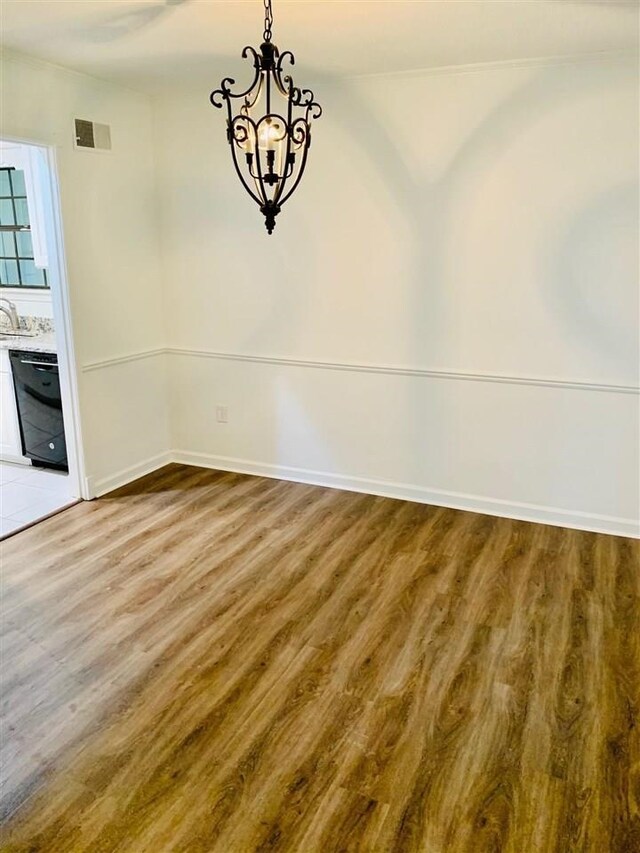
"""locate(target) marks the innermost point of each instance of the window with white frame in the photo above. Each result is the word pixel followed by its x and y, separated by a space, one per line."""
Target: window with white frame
pixel 17 264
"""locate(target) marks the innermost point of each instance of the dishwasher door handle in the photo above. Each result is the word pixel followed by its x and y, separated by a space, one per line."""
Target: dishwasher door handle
pixel 38 363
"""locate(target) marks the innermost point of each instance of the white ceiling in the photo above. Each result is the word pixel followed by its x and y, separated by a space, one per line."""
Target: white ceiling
pixel 151 44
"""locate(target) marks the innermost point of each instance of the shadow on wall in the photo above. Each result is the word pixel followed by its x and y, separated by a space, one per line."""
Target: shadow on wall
pixel 429 208
pixel 429 212
pixel 596 248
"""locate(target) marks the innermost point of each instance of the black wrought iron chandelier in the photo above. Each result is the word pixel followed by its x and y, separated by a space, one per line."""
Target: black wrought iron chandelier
pixel 269 146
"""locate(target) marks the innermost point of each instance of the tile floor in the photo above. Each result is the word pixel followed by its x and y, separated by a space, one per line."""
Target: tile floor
pixel 27 494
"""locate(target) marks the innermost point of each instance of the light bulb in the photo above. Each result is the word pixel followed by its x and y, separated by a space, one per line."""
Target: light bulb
pixel 268 136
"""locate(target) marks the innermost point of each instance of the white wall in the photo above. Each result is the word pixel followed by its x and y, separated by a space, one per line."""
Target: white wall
pixel 111 238
pixel 447 309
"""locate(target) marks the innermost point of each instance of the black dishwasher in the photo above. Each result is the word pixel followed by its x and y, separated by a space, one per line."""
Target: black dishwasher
pixel 37 387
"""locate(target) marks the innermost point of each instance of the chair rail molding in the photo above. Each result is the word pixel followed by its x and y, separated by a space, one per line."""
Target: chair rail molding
pixel 406 370
pixel 122 359
pixel 366 367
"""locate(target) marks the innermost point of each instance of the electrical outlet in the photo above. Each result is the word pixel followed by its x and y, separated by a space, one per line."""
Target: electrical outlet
pixel 222 414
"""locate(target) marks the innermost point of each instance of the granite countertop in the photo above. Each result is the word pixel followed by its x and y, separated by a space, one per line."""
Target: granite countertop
pixel 45 342
pixel 37 335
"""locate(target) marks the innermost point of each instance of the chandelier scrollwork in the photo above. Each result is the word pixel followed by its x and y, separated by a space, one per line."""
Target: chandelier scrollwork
pixel 270 134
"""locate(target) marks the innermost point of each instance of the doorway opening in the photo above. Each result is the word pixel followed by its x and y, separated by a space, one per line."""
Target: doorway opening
pixel 41 469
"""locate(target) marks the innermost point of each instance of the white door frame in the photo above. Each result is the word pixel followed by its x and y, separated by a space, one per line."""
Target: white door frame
pixel 59 288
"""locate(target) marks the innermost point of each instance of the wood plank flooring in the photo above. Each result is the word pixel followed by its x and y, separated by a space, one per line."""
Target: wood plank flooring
pixel 212 662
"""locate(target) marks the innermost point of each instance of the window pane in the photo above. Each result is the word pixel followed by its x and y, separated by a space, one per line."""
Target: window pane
pixel 31 275
pixel 9 272
pixel 17 179
pixel 7 246
pixel 22 211
pixel 5 186
pixel 6 212
pixel 25 246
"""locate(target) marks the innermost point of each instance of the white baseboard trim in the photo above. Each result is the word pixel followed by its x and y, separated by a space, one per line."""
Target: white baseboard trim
pixel 100 486
pixel 405 491
pixel 388 489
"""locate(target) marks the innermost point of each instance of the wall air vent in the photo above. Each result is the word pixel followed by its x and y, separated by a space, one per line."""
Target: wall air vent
pixel 91 135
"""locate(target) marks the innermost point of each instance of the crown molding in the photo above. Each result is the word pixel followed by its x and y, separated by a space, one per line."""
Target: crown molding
pixel 504 64
pixel 9 54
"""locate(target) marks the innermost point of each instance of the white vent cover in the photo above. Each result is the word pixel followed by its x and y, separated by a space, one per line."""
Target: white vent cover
pixel 90 134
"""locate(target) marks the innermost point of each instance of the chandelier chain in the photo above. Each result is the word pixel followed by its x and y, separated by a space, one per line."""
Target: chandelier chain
pixel 268 20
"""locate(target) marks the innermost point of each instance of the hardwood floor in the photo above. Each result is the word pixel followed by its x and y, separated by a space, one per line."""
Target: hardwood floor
pixel 213 662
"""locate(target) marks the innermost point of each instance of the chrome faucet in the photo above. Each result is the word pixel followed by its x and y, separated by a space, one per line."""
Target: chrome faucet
pixel 11 312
